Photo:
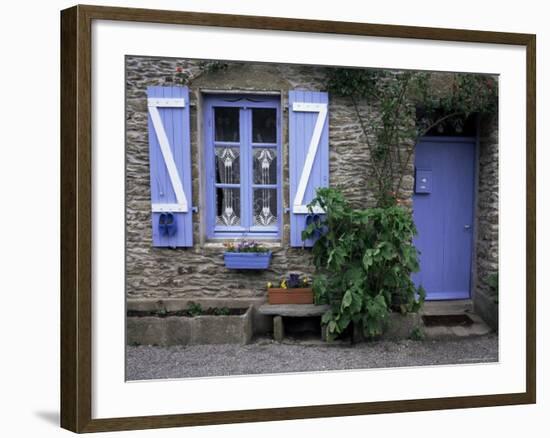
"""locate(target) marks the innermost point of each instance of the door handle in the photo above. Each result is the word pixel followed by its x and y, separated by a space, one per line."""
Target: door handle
pixel 467 227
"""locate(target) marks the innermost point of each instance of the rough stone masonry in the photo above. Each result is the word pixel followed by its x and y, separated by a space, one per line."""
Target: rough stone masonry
pixel 199 272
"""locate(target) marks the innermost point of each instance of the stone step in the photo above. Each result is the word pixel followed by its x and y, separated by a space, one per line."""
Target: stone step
pixel 478 328
pixel 456 307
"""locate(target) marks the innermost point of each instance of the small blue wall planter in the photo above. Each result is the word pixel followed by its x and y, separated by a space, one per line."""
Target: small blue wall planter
pixel 247 260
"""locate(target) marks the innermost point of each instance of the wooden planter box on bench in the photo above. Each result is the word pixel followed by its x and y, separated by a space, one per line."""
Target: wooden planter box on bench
pixel 276 295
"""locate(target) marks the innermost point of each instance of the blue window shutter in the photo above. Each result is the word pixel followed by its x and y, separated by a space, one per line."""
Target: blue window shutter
pixel 170 166
pixel 308 135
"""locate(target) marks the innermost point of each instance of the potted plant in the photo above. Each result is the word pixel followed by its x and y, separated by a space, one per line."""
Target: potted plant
pixel 246 254
pixel 293 289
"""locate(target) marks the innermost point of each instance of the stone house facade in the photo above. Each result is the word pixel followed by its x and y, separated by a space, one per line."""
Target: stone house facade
pixel 197 273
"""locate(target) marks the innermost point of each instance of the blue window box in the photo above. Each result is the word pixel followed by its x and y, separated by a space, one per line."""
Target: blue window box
pixel 247 260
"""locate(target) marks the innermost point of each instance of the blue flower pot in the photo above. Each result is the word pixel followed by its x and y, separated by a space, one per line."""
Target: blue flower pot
pixel 247 260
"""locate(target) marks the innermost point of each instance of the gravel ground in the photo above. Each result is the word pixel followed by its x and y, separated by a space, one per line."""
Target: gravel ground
pixel 265 356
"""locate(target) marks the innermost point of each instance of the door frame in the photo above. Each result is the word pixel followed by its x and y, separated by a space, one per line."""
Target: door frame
pixel 475 141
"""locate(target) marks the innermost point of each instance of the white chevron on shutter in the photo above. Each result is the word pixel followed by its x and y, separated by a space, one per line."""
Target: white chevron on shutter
pixel 153 104
pixel 321 108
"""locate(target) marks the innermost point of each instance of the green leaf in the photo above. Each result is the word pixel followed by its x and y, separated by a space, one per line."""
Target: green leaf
pixel 368 259
pixel 346 301
pixel 327 317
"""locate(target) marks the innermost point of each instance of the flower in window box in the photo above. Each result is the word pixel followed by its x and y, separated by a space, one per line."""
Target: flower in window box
pixel 246 255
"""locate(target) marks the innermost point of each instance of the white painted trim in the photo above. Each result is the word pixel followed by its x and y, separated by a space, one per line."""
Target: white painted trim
pixel 303 209
pixel 321 108
pixel 181 204
pixel 167 102
pixel 309 107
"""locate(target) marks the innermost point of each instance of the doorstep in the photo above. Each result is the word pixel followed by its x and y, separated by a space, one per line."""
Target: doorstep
pixel 452 307
pixel 458 307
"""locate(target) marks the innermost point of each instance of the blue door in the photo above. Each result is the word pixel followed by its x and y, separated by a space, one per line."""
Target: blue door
pixel 443 205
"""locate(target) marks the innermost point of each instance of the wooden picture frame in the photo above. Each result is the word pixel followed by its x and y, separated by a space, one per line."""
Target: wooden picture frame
pixel 76 218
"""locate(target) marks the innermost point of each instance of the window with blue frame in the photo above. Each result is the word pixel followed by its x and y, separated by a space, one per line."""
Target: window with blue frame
pixel 242 141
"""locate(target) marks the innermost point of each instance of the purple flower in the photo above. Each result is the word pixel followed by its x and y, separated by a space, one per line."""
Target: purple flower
pixel 293 280
pixel 249 246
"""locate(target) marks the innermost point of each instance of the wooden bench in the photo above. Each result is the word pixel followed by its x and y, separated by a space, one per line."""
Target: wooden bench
pixel 278 311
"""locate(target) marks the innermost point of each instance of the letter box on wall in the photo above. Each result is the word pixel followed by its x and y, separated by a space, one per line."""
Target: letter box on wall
pixel 423 182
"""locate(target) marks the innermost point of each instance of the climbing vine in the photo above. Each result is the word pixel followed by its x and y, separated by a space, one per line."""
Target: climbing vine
pixel 364 258
pixel 387 103
pixel 184 76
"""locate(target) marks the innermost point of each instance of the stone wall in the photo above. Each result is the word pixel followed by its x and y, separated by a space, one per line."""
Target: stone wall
pixel 199 272
pixel 486 262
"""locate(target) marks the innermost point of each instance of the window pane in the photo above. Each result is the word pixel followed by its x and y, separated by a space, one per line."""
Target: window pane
pixel 226 124
pixel 228 207
pixel 265 166
pixel 264 125
pixel 228 166
pixel 265 207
